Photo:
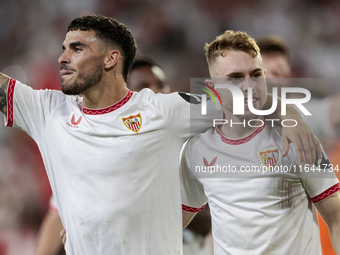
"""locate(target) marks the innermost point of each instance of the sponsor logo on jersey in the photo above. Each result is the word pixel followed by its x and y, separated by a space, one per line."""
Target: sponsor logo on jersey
pixel 74 123
pixel 207 164
pixel 269 157
pixel 133 122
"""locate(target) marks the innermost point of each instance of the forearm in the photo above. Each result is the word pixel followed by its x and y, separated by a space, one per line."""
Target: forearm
pixel 329 209
pixel 48 241
pixel 4 79
pixel 291 113
pixel 334 231
pixel 295 130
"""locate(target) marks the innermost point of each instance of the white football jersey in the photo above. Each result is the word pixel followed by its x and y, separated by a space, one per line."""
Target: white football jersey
pixel 255 209
pixel 113 171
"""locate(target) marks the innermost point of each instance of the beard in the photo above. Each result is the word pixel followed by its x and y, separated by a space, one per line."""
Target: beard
pixel 84 81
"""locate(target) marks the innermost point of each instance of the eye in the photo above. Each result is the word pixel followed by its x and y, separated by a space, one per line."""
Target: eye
pixel 77 49
pixel 257 75
pixel 235 79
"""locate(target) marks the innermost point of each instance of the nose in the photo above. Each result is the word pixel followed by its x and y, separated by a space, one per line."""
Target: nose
pixel 246 83
pixel 64 59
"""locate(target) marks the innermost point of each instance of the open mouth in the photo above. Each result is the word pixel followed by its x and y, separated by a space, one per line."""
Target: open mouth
pixel 254 101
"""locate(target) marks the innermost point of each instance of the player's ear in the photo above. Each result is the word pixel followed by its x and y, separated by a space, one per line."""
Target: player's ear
pixel 111 59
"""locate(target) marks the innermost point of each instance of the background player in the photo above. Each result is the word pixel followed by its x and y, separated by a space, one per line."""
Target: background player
pixel 325 119
pixel 253 214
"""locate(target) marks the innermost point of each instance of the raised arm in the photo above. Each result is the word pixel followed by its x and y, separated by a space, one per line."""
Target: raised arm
pixel 305 143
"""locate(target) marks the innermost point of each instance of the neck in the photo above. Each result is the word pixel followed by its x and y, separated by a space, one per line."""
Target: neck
pixel 237 126
pixel 107 92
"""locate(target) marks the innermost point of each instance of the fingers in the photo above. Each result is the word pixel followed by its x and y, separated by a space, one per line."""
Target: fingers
pixel 318 147
pixel 63 236
pixel 299 150
pixel 309 149
pixel 306 144
pixel 285 146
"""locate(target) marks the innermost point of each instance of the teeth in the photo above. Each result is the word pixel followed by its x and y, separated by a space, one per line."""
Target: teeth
pixel 246 100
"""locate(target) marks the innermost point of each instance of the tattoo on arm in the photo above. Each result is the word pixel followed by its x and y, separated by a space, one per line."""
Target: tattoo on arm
pixel 115 71
pixel 4 80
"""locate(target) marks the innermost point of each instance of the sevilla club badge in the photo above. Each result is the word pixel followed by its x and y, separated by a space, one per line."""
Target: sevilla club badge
pixel 133 123
pixel 269 157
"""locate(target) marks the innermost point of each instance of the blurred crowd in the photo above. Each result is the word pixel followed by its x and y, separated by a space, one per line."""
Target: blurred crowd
pixel 172 32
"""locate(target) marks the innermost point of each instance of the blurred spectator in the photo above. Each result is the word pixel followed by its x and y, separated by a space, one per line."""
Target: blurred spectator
pixel 325 111
pixel 145 73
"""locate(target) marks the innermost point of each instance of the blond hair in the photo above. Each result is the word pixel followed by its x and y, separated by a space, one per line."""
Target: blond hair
pixel 230 40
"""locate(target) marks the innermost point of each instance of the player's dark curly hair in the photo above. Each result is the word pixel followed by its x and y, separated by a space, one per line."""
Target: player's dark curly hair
pixel 111 31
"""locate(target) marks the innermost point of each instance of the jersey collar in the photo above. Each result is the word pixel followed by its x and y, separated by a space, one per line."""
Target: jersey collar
pixel 241 140
pixel 111 108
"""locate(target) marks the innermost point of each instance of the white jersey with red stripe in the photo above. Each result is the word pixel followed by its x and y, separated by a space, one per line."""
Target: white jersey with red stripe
pixel 113 171
pixel 266 212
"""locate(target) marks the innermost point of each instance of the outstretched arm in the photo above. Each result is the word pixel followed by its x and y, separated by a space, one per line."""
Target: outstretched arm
pixel 305 143
pixel 4 79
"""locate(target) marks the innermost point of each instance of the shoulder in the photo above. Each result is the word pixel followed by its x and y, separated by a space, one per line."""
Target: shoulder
pixel 24 90
pixel 202 140
pixel 180 97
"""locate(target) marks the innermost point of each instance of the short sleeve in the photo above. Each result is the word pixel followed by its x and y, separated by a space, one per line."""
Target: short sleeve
pixel 183 111
pixel 192 191
pixel 321 182
pixel 29 109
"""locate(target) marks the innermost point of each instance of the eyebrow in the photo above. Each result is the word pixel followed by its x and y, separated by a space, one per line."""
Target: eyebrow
pixel 240 74
pixel 74 44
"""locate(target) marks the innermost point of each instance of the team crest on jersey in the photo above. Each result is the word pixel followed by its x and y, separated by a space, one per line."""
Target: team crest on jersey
pixel 269 157
pixel 133 122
